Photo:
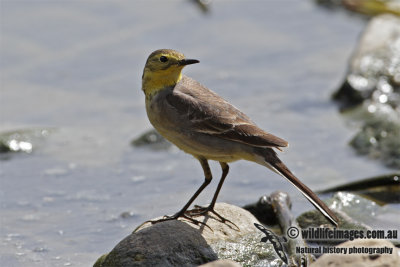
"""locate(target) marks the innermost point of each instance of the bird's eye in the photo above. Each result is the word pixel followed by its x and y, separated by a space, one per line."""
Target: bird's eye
pixel 163 59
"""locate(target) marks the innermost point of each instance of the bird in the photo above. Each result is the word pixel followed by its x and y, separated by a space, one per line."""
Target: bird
pixel 203 124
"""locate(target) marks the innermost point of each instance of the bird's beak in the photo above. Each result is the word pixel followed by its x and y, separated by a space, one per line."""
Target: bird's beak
pixel 184 62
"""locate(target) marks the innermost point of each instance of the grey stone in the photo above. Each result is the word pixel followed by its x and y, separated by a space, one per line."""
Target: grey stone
pixel 372 90
pixel 23 140
pixel 216 230
pixel 151 139
pixel 180 243
pixel 374 68
pixel 171 243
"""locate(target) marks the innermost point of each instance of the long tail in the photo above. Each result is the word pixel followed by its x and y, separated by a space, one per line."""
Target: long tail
pixel 267 157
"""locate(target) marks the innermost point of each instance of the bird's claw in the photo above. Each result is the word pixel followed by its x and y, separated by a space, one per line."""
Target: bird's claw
pixel 202 211
pixel 176 216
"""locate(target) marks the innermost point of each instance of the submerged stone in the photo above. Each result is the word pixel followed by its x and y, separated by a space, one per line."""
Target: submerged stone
pixel 372 90
pixel 23 140
pixel 151 139
pixel 379 139
pixel 382 189
pixel 355 212
pixel 374 69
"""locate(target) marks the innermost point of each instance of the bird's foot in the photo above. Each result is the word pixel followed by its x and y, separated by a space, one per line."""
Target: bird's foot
pixel 202 211
pixel 175 217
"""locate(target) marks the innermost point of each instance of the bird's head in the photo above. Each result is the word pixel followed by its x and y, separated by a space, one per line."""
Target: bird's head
pixel 163 69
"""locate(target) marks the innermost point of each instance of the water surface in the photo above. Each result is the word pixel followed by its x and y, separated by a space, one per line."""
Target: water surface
pixel 76 66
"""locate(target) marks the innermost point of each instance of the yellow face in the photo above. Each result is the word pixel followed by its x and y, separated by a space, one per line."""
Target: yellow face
pixel 163 59
pixel 163 69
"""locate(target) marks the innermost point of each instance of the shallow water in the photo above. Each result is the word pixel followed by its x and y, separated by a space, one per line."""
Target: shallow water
pixel 76 66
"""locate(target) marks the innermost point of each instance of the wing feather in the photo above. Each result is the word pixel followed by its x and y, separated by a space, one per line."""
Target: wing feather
pixel 208 113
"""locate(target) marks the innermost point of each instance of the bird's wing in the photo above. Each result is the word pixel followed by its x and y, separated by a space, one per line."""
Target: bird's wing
pixel 208 113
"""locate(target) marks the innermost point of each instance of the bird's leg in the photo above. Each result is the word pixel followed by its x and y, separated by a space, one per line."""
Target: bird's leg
pixel 181 213
pixel 198 210
pixel 225 170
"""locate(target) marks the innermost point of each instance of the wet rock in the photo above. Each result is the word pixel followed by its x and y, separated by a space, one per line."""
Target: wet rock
pixel 389 255
pixel 221 263
pixel 381 189
pixel 279 204
pixel 282 205
pixel 351 209
pixel 100 260
pixel 151 139
pixel 262 210
pixel 375 63
pixel 379 139
pixel 23 140
pixel 372 90
pixel 355 213
pixel 180 243
pixel 127 215
pixel 249 250
pixel 313 218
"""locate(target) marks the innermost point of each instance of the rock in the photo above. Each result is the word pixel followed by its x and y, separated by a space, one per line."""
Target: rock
pixel 221 263
pixel 249 250
pixel 262 210
pixel 282 205
pixel 382 189
pixel 151 139
pixel 355 212
pixel 362 259
pixel 172 243
pixel 180 243
pixel 23 140
pixel 379 138
pixel 375 63
pixel 371 90
pixel 243 219
pixel 100 260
